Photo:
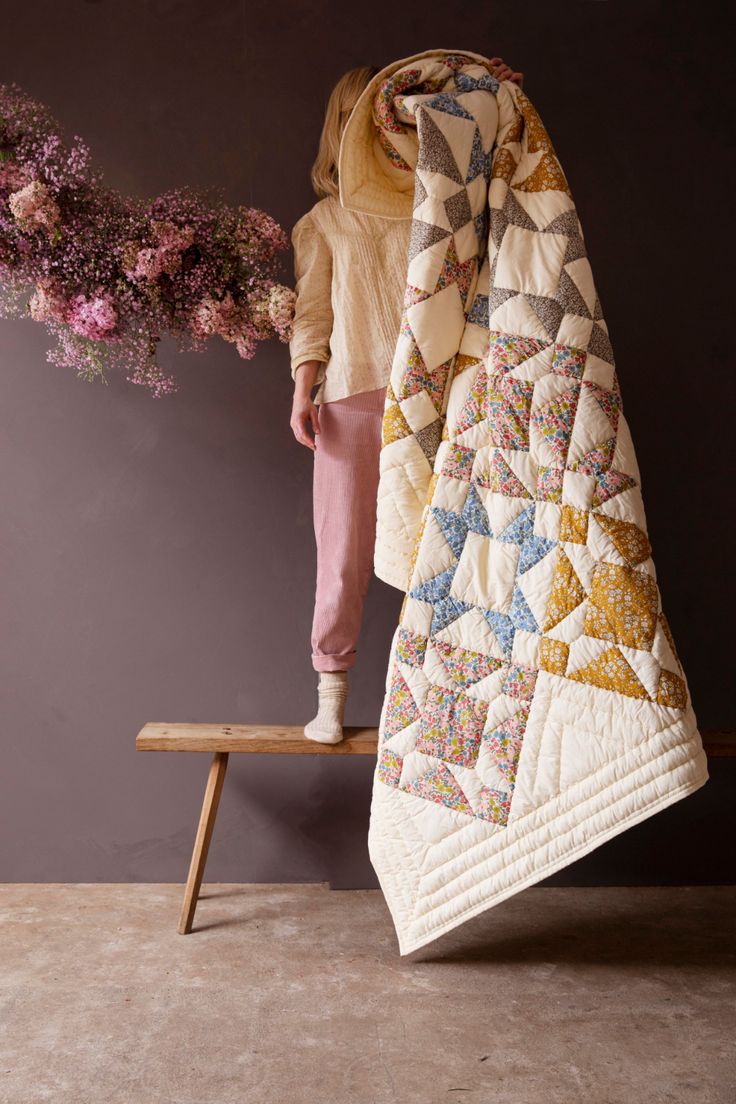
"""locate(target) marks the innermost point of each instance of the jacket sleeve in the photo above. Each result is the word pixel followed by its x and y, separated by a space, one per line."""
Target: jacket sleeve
pixel 313 317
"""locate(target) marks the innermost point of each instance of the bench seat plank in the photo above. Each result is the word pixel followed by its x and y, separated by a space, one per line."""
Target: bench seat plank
pixel 269 739
pixel 290 740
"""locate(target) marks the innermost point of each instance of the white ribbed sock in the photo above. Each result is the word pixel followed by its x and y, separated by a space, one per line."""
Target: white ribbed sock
pixel 326 727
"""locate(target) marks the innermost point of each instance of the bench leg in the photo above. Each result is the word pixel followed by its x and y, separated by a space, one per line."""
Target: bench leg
pixel 212 793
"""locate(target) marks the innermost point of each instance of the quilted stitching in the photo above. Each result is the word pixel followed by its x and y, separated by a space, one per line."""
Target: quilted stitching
pixel 510 513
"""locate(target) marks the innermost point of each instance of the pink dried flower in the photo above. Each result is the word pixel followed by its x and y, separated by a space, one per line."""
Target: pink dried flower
pixel 204 318
pixel 259 312
pixel 281 304
pixel 216 316
pixel 33 208
pixel 109 274
pixel 172 241
pixel 258 234
pixel 47 304
pixel 148 262
pixel 247 341
pixel 95 318
pixel 147 265
pixel 149 374
pixel 272 311
pixel 13 176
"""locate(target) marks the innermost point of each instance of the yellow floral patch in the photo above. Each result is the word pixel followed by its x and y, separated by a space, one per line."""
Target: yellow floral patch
pixel 670 640
pixel 628 539
pixel 567 592
pixel 611 671
pixel 553 655
pixel 394 426
pixel 672 690
pixel 504 165
pixel 574 525
pixel 515 131
pixel 463 361
pixel 623 606
pixel 417 542
pixel 548 176
pixel 537 137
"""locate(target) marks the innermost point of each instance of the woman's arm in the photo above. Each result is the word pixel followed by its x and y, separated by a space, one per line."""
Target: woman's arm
pixel 309 346
pixel 304 412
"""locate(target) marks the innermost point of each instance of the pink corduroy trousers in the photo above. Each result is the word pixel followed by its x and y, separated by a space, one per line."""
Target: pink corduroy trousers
pixel 344 491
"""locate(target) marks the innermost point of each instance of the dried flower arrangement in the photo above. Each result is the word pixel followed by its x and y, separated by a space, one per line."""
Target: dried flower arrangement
pixel 109 275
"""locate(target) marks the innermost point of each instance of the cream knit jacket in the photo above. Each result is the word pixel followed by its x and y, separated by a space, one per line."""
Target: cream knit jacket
pixel 350 271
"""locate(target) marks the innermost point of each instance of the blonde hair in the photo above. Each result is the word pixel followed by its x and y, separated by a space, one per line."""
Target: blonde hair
pixel 341 102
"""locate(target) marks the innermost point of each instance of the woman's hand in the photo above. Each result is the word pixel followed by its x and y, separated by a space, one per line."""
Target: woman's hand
pixel 502 71
pixel 304 413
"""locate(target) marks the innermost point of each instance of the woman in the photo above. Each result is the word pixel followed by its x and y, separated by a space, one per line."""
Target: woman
pixel 350 271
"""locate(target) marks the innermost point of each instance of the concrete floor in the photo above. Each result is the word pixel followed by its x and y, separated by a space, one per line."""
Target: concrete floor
pixel 295 994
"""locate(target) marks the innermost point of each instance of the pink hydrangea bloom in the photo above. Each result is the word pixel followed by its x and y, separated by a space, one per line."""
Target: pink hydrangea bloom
pixel 150 262
pixel 271 311
pixel 204 318
pixel 34 208
pixel 94 317
pixel 147 265
pixel 216 316
pixel 281 304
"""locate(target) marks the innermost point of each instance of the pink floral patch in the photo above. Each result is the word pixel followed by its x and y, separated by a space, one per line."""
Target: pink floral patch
pixel 568 361
pixel 555 421
pixel 458 462
pixel 465 666
pixel 507 351
pixel 389 766
pixel 401 708
pixel 504 743
pixel 495 805
pixel 499 477
pixel 440 785
pixel 451 726
pixel 508 406
pixel 549 483
pixel 417 377
pixel 411 647
pixel 520 682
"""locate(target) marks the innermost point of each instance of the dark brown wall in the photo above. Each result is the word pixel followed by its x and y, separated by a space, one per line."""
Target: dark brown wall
pixel 157 557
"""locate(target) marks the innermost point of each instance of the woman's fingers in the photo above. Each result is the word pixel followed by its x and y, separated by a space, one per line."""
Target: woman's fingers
pixel 502 71
pixel 314 415
pixel 298 426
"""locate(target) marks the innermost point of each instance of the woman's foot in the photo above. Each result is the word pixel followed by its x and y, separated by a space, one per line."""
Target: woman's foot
pixel 326 727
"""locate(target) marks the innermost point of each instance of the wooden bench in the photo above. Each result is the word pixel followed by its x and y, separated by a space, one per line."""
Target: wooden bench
pixel 220 740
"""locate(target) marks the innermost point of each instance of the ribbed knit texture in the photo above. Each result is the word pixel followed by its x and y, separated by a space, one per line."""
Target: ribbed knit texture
pixel 346 472
pixel 350 273
pixel 332 692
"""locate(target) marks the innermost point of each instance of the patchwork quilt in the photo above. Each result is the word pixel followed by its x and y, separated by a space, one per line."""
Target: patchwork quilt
pixel 535 705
